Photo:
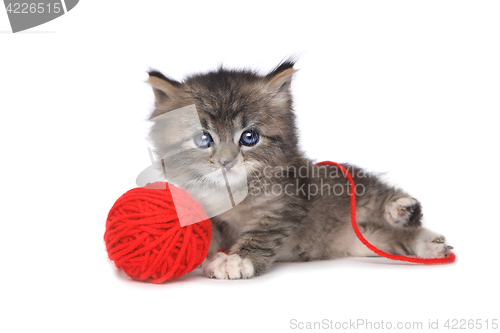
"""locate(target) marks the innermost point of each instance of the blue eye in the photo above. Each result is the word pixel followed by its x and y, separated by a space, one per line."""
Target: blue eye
pixel 203 140
pixel 249 138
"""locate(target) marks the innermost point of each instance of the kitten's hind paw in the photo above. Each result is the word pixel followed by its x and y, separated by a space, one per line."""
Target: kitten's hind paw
pixel 431 245
pixel 403 212
pixel 223 266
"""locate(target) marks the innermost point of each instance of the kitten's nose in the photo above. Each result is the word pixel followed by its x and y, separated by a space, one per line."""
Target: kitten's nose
pixel 226 162
pixel 226 154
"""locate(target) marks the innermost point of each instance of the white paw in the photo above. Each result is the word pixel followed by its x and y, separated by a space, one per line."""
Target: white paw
pixel 431 245
pixel 398 212
pixel 223 266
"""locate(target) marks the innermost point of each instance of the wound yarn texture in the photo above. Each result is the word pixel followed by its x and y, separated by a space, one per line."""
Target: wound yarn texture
pixel 144 238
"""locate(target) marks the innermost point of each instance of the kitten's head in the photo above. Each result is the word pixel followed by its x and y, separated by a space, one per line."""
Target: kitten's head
pixel 235 121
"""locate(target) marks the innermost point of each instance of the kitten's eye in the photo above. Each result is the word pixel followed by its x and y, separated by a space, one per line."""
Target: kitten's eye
pixel 249 138
pixel 203 140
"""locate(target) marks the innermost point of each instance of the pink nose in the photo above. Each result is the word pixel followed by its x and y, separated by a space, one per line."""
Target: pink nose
pixel 226 162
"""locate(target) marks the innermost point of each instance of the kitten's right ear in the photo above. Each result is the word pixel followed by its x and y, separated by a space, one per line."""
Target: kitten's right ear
pixel 164 88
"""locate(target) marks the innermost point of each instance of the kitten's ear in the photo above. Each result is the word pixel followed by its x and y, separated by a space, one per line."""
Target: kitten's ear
pixel 281 77
pixel 164 88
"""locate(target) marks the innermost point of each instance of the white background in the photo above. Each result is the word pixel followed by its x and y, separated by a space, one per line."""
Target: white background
pixel 406 87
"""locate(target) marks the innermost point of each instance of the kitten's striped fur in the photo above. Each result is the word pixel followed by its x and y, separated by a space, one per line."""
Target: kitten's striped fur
pixel 268 226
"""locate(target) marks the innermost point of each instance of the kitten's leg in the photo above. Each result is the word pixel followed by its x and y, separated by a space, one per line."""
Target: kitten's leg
pixel 219 265
pixel 215 241
pixel 381 203
pixel 419 242
pixel 252 255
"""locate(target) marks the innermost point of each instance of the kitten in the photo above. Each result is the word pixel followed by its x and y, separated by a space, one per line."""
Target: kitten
pixel 239 140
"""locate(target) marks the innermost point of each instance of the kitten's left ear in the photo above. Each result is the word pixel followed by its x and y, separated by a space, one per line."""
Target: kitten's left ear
pixel 281 77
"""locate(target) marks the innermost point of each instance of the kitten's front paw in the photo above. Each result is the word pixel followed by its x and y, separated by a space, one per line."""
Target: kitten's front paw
pixel 223 266
pixel 403 212
pixel 431 245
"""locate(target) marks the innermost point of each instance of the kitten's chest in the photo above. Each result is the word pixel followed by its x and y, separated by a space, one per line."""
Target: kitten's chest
pixel 247 215
pixel 240 218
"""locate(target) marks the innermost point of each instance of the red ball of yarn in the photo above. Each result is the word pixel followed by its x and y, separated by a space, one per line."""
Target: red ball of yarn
pixel 144 238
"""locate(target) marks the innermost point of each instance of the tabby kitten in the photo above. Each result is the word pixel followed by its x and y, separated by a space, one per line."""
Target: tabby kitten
pixel 234 136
